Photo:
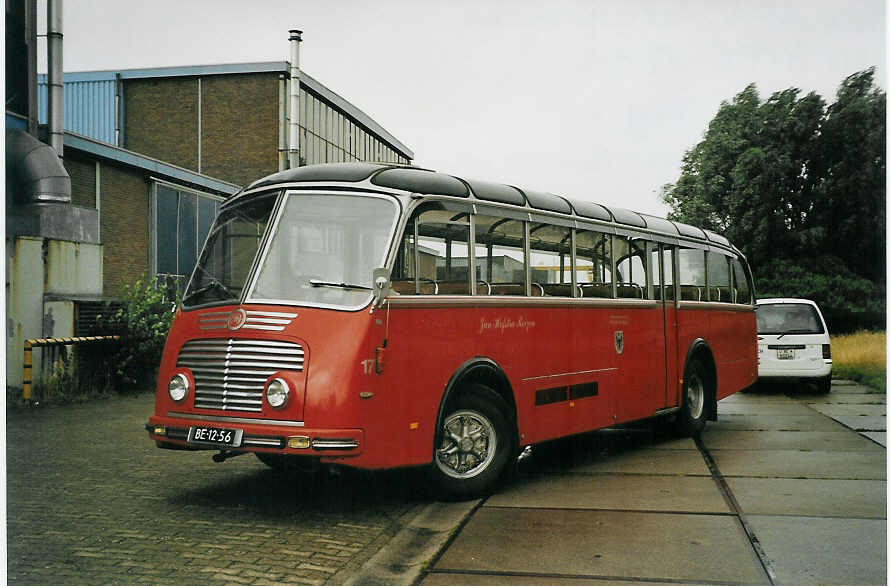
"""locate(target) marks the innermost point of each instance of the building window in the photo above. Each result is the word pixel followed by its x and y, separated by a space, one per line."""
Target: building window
pixel 181 222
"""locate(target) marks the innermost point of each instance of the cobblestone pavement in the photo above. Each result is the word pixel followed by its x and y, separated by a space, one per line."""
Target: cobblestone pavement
pixel 91 500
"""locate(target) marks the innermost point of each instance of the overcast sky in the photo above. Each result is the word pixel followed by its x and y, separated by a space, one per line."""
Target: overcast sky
pixel 594 100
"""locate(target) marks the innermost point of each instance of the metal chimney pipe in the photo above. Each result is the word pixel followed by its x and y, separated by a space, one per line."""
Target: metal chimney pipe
pixel 293 153
pixel 55 76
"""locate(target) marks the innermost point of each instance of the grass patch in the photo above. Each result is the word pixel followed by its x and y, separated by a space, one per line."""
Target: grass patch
pixel 862 357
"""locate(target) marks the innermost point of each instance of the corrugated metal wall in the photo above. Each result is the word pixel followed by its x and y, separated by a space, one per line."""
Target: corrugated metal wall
pixel 89 107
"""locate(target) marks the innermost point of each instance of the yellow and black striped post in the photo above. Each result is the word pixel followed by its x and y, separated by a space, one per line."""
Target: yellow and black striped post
pixel 32 342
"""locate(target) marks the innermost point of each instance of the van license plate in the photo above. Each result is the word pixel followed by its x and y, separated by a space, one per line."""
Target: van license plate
pixel 215 436
pixel 785 353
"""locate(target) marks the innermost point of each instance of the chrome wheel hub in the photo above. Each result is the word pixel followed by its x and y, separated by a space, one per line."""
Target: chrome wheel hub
pixel 468 444
pixel 695 396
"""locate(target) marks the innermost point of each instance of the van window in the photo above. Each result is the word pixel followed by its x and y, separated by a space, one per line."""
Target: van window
pixel 788 318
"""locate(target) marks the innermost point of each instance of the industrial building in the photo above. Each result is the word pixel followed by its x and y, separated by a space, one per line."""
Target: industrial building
pixel 140 160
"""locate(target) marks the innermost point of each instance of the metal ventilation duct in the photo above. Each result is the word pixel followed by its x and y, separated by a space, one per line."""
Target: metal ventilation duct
pixel 35 173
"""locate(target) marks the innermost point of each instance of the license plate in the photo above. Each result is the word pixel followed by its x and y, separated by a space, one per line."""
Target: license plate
pixel 785 353
pixel 215 436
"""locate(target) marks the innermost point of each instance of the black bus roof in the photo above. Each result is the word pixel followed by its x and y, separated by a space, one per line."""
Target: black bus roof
pixel 427 182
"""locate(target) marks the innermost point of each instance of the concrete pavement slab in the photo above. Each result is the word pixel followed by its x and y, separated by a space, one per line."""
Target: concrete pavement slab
pixel 797 464
pixel 809 550
pixel 844 387
pixel 652 493
pixel 811 497
pixel 753 422
pixel 604 544
pixel 853 398
pixel 648 461
pixel 476 579
pixel 876 436
pixel 838 441
pixel 835 410
pixel 863 422
pixel 771 408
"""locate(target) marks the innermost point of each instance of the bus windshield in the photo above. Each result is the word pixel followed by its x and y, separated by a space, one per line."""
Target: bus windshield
pixel 324 250
pixel 232 244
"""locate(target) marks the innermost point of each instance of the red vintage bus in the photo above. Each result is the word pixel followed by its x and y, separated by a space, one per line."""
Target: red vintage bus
pixel 382 316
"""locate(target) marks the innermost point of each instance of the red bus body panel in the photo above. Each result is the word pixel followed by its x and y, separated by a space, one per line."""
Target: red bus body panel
pixel 634 352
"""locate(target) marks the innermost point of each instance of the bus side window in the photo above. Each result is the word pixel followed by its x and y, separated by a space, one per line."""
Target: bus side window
pixel 692 274
pixel 741 285
pixel 718 278
pixel 593 270
pixel 500 256
pixel 437 264
pixel 663 271
pixel 551 260
pixel 630 268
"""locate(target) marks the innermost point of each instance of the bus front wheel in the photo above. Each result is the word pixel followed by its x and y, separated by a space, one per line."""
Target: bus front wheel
pixel 693 408
pixel 473 444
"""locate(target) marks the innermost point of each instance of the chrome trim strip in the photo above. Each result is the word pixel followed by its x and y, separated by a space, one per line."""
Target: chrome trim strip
pixel 495 301
pixel 256 441
pixel 569 373
pixel 712 305
pixel 248 420
pixel 334 444
pixel 249 326
pixel 271 314
pixel 667 411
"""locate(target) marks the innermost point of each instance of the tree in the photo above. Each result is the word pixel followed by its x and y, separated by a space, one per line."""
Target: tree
pixel 795 184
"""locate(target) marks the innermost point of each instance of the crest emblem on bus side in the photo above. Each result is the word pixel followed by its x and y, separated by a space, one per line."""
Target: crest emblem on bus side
pixel 619 341
pixel 236 319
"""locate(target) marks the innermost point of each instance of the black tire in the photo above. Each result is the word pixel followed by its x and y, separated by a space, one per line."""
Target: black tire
pixel 694 402
pixel 474 444
pixel 286 463
pixel 823 385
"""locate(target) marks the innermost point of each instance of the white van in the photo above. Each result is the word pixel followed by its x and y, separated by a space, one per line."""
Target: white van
pixel 793 342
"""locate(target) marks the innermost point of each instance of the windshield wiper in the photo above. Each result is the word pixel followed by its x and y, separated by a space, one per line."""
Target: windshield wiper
pixel 319 283
pixel 795 332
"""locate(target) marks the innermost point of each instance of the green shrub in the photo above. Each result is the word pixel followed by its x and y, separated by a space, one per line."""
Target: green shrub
pixel 849 302
pixel 142 321
pixel 70 382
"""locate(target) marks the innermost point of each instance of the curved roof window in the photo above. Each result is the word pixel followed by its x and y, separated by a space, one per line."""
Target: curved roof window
pixel 627 217
pixel 325 172
pixel 547 201
pixel 497 192
pixel 592 210
pixel 419 181
pixel 660 225
pixel 718 238
pixel 691 231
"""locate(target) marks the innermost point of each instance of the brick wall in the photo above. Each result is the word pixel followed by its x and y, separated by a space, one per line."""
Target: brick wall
pixel 239 123
pixel 82 171
pixel 239 126
pixel 125 226
pixel 161 119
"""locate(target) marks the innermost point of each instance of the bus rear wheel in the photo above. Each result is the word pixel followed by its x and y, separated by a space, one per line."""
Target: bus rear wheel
pixel 696 393
pixel 474 443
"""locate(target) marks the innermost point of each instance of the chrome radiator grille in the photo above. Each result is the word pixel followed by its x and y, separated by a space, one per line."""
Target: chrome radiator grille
pixel 230 373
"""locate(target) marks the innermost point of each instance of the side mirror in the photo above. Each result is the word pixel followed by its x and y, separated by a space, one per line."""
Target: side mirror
pixel 381 285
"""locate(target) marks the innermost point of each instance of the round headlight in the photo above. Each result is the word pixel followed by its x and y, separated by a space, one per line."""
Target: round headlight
pixel 178 387
pixel 277 392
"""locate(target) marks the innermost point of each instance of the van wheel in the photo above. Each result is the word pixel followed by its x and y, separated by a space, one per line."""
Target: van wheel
pixel 823 385
pixel 474 443
pixel 691 420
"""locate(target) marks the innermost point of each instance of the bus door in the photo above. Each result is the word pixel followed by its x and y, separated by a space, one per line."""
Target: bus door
pixel 665 292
